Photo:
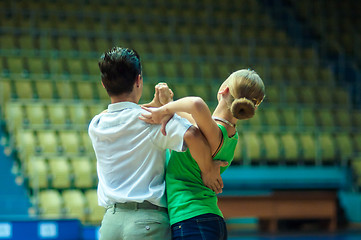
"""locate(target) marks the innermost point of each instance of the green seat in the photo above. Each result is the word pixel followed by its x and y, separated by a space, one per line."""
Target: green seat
pixel 76 66
pixel 14 115
pixel 272 118
pixel 253 147
pixel 170 70
pixel 308 147
pixel 37 172
pixel 64 89
pixel 36 113
pixel 151 69
pixel 59 169
pixel 26 144
pixel 74 204
pixel 95 212
pixel 83 171
pixel 58 114
pixel 24 88
pixel 290 147
pixel 48 141
pixel 70 142
pixel 356 169
pixel 50 203
pixel 15 65
pixel 85 90
pixel 343 118
pixel 36 65
pixel 344 145
pixel 78 113
pixel 326 118
pixel 292 95
pixel 308 118
pixel 203 91
pixel 327 147
pixel 272 147
pixel 44 89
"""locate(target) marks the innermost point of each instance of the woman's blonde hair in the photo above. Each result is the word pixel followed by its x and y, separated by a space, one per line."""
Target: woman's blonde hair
pixel 247 90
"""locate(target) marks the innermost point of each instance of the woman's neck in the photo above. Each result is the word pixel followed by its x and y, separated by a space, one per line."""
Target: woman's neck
pixel 222 111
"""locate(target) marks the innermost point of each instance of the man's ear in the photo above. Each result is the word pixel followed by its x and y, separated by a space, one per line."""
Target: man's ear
pixel 139 81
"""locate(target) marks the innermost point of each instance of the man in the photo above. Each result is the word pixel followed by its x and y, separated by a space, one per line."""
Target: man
pixel 131 154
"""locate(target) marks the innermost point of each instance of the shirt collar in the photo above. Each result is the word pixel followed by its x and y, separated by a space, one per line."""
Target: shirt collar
pixel 121 105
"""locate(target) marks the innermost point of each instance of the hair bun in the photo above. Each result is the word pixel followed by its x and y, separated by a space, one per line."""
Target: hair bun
pixel 243 108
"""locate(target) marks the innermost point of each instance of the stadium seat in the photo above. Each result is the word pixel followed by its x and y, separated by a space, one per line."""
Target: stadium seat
pixel 203 91
pixel 48 141
pixel 272 118
pixel 95 109
pixel 92 67
pixel 327 147
pixel 24 88
pixel 180 90
pixel 14 115
pixel 5 93
pixel 64 89
pixel 308 147
pixel 170 70
pixel 356 119
pixel 57 113
pixel 87 144
pixel 292 95
pixel 50 203
pixel 257 121
pixel 15 65
pixel 356 138
pixel 187 71
pixel 101 92
pixel 37 172
pixel 151 70
pixel 326 118
pixel 343 119
pixel 35 65
pixel 274 94
pixel 85 90
pixel 76 66
pixel 344 146
pixel 290 148
pixel 26 143
pixel 253 147
pixel 44 89
pixel 307 95
pixel 56 66
pixel 95 212
pixel 308 118
pixel 59 170
pixel 272 147
pixel 83 171
pixel 74 204
pixel 84 44
pixel 70 142
pixel 78 113
pixel 35 113
pixel 290 119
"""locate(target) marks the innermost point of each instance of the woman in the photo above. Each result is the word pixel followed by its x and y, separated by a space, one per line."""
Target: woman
pixel 192 207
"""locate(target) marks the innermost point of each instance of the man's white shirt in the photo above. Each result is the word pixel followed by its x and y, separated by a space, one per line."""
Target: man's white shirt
pixel 131 154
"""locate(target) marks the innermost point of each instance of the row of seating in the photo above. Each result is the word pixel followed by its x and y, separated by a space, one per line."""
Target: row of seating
pixel 60 172
pixel 92 89
pixel 274 146
pixel 71 203
pixel 20 114
pixel 306 147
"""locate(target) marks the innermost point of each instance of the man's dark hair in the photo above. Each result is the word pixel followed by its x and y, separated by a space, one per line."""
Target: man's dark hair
pixel 119 69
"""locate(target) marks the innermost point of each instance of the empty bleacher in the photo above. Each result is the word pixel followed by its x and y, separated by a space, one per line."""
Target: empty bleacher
pixel 50 86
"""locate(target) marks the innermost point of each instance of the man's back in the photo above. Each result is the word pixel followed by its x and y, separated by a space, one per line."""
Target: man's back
pixel 130 154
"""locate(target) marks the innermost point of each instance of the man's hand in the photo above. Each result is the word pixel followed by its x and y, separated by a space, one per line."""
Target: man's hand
pixel 212 178
pixel 165 94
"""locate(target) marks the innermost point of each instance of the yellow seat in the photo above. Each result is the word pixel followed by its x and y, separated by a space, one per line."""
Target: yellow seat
pixel 14 115
pixel 44 89
pixel 102 93
pixel 50 203
pixel 37 172
pixel 85 90
pixel 253 147
pixel 48 141
pixel 326 118
pixel 290 147
pixel 202 90
pixel 59 170
pixel 344 144
pixel 56 66
pixel 15 65
pixel 308 118
pixel 307 95
pixel 181 90
pixel 95 212
pixel 92 67
pixel 84 44
pixel 78 113
pixel 74 204
pixel 308 147
pixel 272 118
pixel 327 148
pixel 36 65
pixel 343 118
pixel 69 141
pixel 86 142
pixel 151 70
pixel 83 171
pixel 57 113
pixel 289 118
pixel 170 70
pixel 24 88
pixel 35 113
pixel 95 109
pixel 272 147
pixel 5 93
pixel 26 143
pixel 291 95
pixel 64 89
pixel 76 66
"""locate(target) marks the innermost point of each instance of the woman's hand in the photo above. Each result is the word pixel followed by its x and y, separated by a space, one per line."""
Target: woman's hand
pixel 156 116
